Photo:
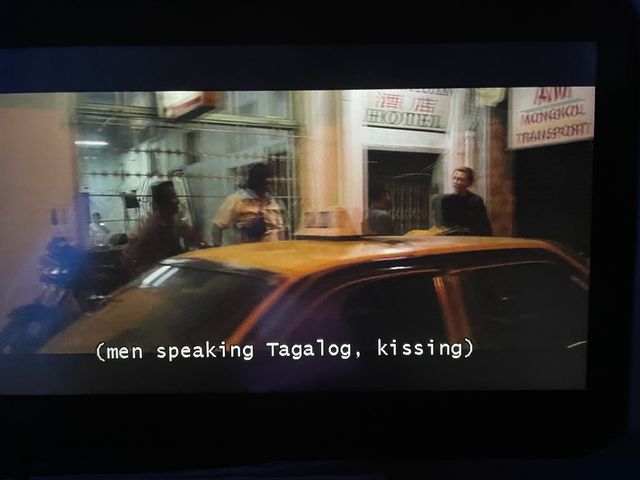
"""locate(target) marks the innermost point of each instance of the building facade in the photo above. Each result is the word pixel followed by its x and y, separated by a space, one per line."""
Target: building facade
pixel 68 156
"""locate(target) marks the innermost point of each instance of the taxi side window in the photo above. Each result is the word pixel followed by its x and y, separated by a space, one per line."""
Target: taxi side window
pixel 526 306
pixel 403 307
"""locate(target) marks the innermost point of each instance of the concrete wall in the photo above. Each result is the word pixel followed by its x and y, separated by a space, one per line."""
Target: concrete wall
pixel 37 155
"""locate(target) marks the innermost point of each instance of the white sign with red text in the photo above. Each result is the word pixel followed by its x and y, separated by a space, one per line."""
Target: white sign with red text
pixel 541 116
pixel 415 109
pixel 179 104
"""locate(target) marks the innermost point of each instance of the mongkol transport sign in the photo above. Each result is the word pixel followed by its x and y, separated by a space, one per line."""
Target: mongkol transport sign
pixel 541 116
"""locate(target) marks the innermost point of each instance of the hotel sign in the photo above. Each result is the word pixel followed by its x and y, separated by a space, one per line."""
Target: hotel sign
pixel 416 109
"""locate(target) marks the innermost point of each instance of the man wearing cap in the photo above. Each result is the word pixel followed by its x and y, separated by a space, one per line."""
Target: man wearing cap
pixel 162 236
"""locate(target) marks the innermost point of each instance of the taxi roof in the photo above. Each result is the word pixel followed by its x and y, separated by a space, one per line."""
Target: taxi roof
pixel 297 258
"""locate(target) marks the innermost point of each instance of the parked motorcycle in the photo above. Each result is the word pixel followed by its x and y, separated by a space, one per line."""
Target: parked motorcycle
pixel 74 281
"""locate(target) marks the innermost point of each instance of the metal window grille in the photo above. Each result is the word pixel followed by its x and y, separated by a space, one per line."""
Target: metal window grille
pixel 139 153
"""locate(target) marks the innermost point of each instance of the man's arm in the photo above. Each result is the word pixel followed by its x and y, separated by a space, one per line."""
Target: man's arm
pixel 482 219
pixel 437 221
pixel 225 216
pixel 280 220
pixel 139 251
pixel 216 233
pixel 379 224
pixel 190 235
pixel 386 225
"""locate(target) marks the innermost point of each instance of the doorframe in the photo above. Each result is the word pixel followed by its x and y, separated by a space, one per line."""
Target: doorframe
pixel 397 149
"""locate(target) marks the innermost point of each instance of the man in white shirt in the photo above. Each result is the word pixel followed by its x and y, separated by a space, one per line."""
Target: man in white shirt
pixel 98 231
pixel 252 213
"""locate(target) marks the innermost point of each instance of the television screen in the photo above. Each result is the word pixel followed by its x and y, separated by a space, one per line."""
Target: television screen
pixel 387 229
pixel 296 240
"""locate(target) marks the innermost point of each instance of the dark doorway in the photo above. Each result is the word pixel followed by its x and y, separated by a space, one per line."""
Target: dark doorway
pixel 553 193
pixel 408 178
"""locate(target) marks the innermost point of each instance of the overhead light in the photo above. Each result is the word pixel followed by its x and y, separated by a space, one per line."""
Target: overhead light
pixel 91 143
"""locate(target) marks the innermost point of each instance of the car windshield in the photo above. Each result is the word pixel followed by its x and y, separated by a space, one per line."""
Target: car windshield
pixel 169 304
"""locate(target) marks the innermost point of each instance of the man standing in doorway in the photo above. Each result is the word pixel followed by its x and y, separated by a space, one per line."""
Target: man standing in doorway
pixel 379 221
pixel 463 210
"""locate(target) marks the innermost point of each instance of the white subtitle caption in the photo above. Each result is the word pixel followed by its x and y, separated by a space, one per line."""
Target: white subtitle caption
pixel 297 351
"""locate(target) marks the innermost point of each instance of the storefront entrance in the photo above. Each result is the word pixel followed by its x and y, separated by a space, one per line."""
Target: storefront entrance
pixel 553 193
pixel 408 178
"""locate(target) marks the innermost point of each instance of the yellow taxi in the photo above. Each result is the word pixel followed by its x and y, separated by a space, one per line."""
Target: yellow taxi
pixel 391 302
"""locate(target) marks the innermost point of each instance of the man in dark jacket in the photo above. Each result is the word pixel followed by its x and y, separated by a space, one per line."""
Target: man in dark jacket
pixel 463 210
pixel 162 235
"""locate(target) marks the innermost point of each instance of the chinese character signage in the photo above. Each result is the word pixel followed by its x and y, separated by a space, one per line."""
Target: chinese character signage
pixel 550 115
pixel 418 109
